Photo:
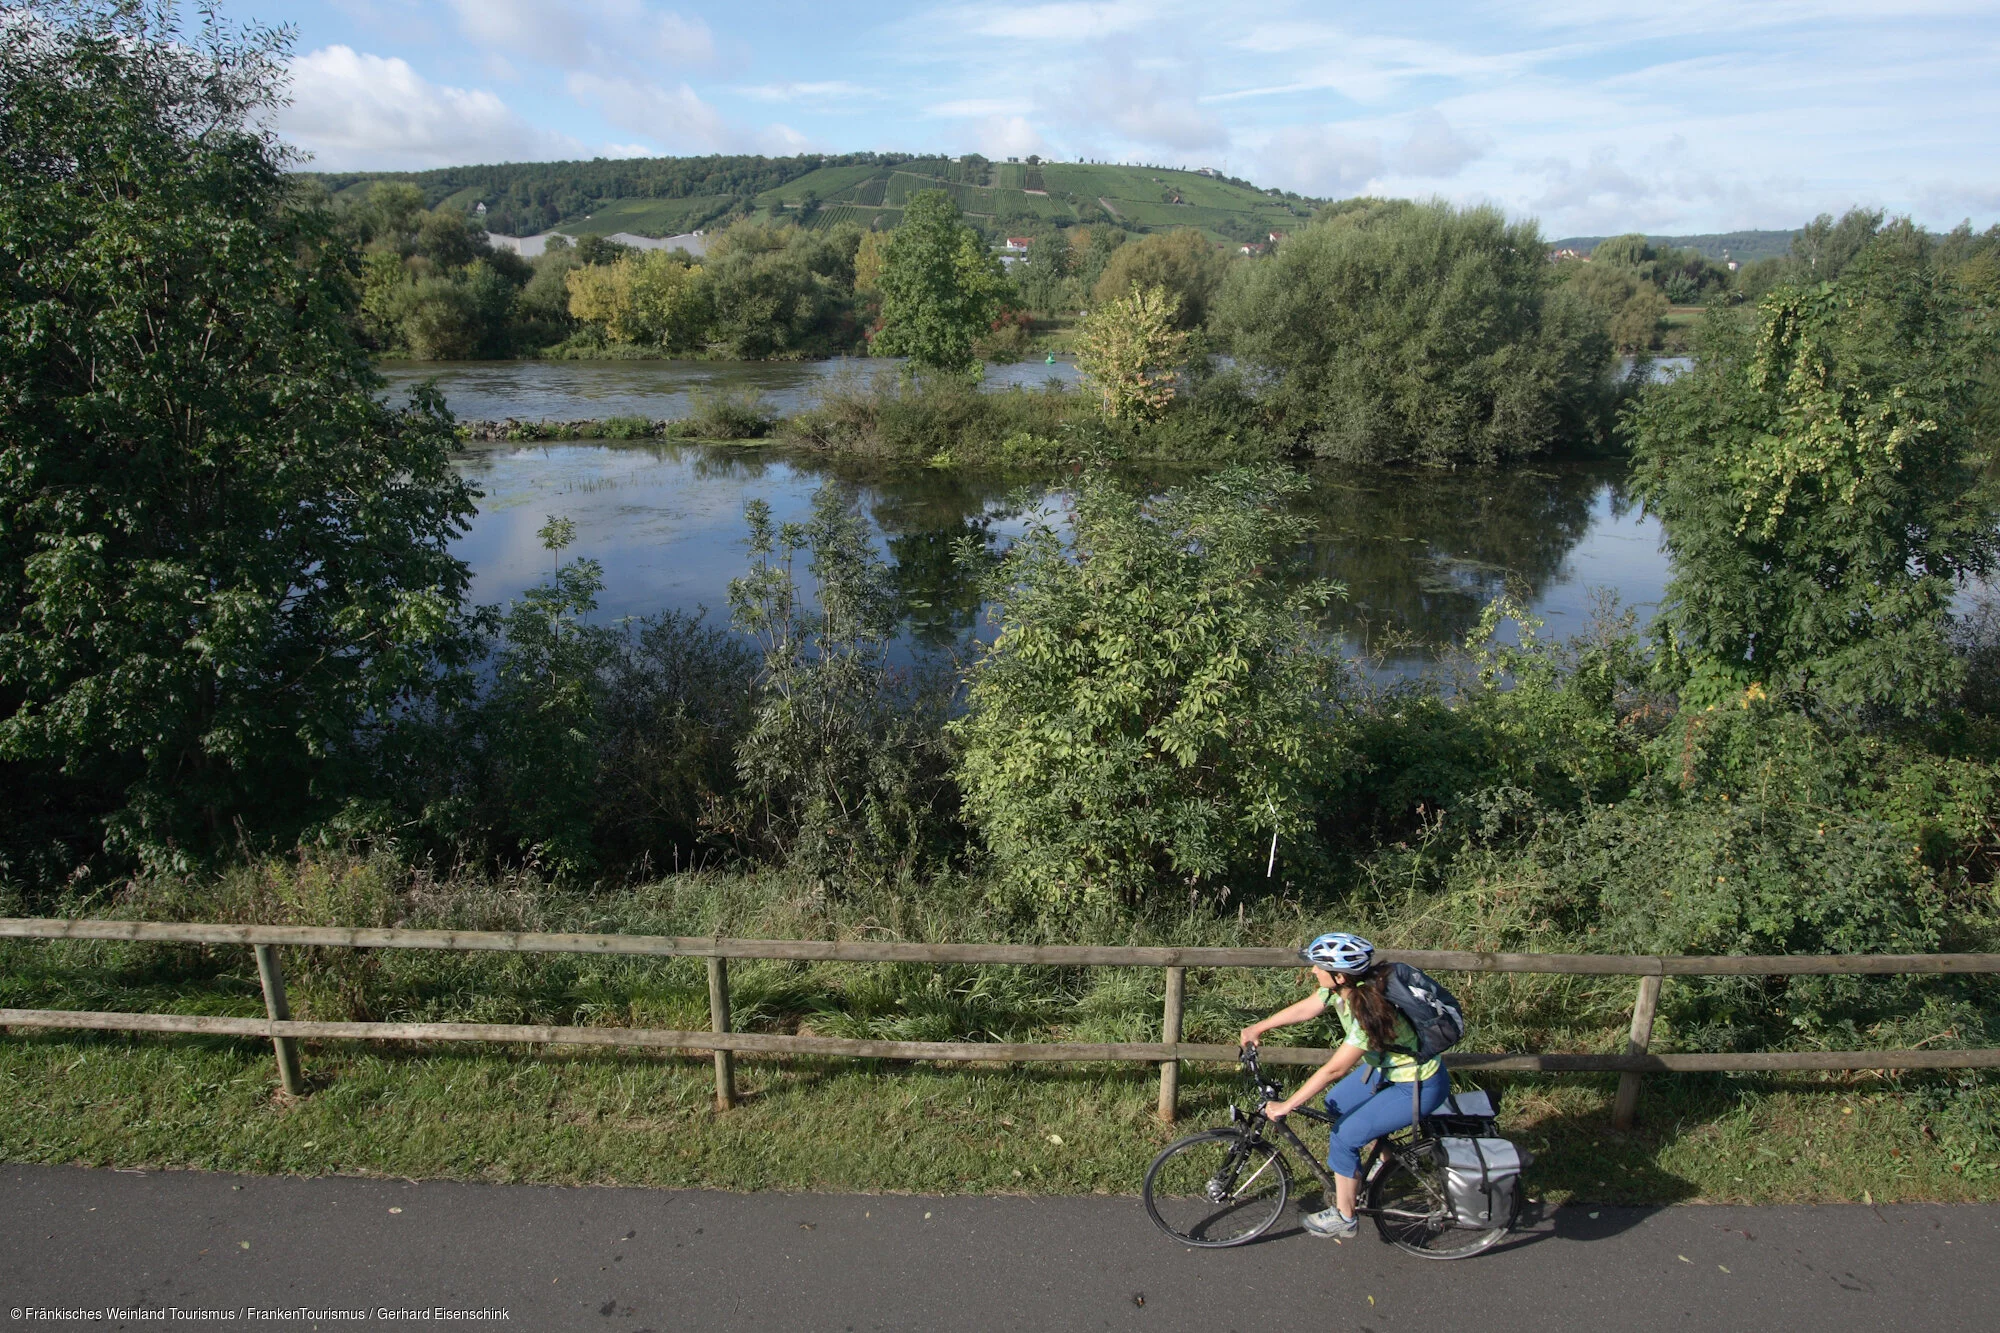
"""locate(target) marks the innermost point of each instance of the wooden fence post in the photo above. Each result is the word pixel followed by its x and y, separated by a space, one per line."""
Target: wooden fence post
pixel 718 1021
pixel 1643 1008
pixel 1170 1034
pixel 279 1010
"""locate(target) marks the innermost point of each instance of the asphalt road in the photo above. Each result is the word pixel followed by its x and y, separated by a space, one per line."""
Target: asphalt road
pixel 629 1261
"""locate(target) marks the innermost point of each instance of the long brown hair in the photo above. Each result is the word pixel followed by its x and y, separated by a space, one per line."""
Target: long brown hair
pixel 1369 998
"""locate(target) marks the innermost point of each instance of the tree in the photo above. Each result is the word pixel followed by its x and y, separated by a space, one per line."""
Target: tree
pixel 781 291
pixel 225 563
pixel 843 763
pixel 1636 325
pixel 544 698
pixel 940 289
pixel 1184 262
pixel 1150 712
pixel 1630 250
pixel 1819 485
pixel 1091 249
pixel 1631 310
pixel 594 249
pixel 653 297
pixel 1824 248
pixel 1422 333
pixel 868 260
pixel 1131 350
pixel 1044 274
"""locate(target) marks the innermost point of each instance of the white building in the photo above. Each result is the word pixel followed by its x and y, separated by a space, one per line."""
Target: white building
pixel 694 243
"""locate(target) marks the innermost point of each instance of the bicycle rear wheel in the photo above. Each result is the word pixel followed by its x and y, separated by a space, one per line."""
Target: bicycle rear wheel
pixel 1407 1196
pixel 1217 1188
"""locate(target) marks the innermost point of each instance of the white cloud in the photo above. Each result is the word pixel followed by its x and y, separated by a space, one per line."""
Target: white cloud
pixel 353 110
pixel 1434 148
pixel 981 106
pixel 1565 108
pixel 677 118
pixel 1077 22
pixel 800 92
pixel 1950 199
pixel 683 41
pixel 1150 109
pixel 587 34
pixel 1008 136
pixel 1322 160
pixel 674 116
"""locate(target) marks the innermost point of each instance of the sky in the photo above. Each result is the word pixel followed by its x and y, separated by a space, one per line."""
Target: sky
pixel 1698 116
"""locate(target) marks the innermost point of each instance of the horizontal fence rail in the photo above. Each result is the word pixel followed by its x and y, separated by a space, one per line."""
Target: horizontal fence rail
pixel 285 1032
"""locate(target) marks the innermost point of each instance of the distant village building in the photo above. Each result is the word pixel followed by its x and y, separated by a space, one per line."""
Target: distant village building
pixel 1558 256
pixel 1018 244
pixel 694 243
pixel 1254 248
pixel 1206 171
pixel 481 210
pixel 1276 236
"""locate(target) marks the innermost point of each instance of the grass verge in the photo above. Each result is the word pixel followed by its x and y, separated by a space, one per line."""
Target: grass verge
pixel 572 1118
pixel 576 1116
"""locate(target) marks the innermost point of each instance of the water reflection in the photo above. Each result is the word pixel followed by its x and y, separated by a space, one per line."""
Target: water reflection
pixel 1420 553
pixel 580 390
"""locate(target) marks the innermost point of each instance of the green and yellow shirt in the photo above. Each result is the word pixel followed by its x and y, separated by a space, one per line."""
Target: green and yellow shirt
pixel 1395 1067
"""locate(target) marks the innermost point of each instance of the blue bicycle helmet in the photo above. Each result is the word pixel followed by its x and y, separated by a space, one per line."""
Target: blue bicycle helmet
pixel 1338 951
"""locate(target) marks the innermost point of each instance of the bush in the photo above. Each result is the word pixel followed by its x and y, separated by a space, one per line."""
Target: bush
pixel 726 415
pixel 1185 263
pixel 1150 713
pixel 1820 490
pixel 922 416
pixel 224 559
pixel 1419 333
pixel 1131 352
pixel 579 749
pixel 844 770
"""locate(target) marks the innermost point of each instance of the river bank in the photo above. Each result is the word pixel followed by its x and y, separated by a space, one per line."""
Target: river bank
pixel 555 1116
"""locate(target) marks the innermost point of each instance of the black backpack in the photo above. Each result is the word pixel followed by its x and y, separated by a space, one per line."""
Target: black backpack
pixel 1432 1010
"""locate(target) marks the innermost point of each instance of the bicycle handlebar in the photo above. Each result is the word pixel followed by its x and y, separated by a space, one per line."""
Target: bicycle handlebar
pixel 1247 1057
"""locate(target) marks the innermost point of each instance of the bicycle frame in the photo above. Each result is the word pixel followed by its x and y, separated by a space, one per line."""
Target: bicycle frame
pixel 1384 1151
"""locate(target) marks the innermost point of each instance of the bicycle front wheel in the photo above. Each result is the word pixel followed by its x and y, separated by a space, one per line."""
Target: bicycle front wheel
pixel 1407 1196
pixel 1217 1188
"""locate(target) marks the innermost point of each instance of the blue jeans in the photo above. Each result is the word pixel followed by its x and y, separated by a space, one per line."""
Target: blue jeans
pixel 1364 1108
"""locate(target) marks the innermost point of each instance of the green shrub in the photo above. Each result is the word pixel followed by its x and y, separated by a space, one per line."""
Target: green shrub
pixel 1421 333
pixel 726 415
pixel 844 768
pixel 628 428
pixel 1819 485
pixel 1151 712
pixel 921 416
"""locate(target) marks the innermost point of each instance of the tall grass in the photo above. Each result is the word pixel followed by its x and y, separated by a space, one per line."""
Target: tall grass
pixel 572 1117
pixel 949 421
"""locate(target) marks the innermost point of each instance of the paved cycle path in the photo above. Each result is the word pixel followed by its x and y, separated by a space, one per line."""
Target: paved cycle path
pixel 630 1260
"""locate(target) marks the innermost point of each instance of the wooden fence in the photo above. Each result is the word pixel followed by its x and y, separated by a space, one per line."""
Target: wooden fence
pixel 284 1032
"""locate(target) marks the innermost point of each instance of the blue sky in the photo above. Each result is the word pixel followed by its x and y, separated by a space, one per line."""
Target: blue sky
pixel 1694 116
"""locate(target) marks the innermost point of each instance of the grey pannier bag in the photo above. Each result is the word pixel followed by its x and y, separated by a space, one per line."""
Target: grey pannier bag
pixel 1483 1178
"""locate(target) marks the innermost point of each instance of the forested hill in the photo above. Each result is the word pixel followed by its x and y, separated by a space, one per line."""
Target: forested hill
pixel 1744 247
pixel 661 196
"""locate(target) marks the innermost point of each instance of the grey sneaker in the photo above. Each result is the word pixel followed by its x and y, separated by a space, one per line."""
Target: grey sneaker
pixel 1328 1222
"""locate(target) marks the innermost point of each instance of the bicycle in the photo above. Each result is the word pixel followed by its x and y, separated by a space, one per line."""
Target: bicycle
pixel 1227 1186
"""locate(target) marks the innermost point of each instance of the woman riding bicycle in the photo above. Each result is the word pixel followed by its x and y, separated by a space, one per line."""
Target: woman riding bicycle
pixel 1369 1077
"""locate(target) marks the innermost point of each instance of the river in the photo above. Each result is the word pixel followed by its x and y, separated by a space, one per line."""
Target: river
pixel 1420 553
pixel 579 390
